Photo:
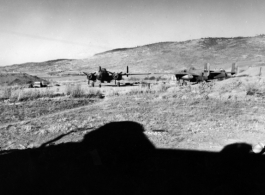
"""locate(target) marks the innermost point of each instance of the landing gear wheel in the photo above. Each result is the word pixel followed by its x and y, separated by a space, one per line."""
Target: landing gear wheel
pixel 99 85
pixel 92 84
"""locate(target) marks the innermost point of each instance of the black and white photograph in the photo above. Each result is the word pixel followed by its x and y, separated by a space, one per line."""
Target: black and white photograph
pixel 140 97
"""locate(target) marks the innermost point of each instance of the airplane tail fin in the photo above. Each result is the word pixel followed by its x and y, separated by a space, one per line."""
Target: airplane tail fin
pixel 206 69
pixel 207 66
pixel 234 69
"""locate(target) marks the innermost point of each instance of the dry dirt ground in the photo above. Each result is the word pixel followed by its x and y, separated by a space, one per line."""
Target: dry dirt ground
pixel 193 117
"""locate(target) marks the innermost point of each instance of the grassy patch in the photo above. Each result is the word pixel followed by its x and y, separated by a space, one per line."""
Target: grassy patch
pixel 18 94
pixel 112 93
pixel 153 78
pixel 32 109
pixel 24 104
pixel 255 88
pixel 76 91
pixel 174 116
pixel 15 94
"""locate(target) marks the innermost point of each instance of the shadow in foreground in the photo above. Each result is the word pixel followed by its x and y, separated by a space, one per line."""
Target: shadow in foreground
pixel 117 158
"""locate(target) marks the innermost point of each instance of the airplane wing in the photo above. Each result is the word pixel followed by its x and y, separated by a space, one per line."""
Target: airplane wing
pixel 89 73
pixel 164 73
pixel 215 73
pixel 188 73
pixel 137 74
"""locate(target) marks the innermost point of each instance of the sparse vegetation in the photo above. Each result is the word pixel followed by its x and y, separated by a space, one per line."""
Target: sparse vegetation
pixel 153 78
pixel 6 93
pixel 15 112
pixel 23 104
pixel 112 93
pixel 133 78
pixel 184 112
pixel 15 94
pixel 74 91
pixel 255 88
pixel 94 93
pixel 140 91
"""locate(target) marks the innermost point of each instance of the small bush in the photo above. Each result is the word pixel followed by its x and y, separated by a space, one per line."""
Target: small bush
pixel 152 78
pixel 10 92
pixel 22 95
pixel 75 91
pixel 160 88
pixel 206 87
pixel 68 89
pixel 7 92
pixel 111 93
pixel 138 91
pixel 253 88
pixel 133 79
pixel 94 93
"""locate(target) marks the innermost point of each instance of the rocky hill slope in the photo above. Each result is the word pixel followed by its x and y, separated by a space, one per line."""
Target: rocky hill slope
pixel 162 57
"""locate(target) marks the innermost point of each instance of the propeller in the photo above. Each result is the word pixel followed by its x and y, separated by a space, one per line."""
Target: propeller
pixel 90 76
pixel 117 76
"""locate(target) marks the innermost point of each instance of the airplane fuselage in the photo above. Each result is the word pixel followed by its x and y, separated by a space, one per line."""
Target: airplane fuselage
pixel 104 76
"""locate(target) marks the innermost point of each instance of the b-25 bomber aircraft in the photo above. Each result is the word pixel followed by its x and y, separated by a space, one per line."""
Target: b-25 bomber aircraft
pixel 104 75
pixel 205 75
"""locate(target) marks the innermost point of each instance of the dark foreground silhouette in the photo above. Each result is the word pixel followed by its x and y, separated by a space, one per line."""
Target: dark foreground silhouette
pixel 118 159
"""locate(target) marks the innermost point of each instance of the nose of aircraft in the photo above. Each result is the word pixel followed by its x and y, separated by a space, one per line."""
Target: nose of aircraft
pixel 187 77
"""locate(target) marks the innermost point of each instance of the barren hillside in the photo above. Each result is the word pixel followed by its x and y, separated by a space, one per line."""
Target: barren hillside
pixel 17 79
pixel 163 57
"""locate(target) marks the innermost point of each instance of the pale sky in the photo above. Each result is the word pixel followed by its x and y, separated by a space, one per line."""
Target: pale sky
pixel 41 30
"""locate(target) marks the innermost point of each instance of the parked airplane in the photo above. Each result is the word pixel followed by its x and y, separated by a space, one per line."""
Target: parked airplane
pixel 104 75
pixel 205 75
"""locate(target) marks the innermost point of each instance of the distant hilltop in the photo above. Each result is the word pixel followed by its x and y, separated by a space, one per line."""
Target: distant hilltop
pixel 220 52
pixel 16 78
